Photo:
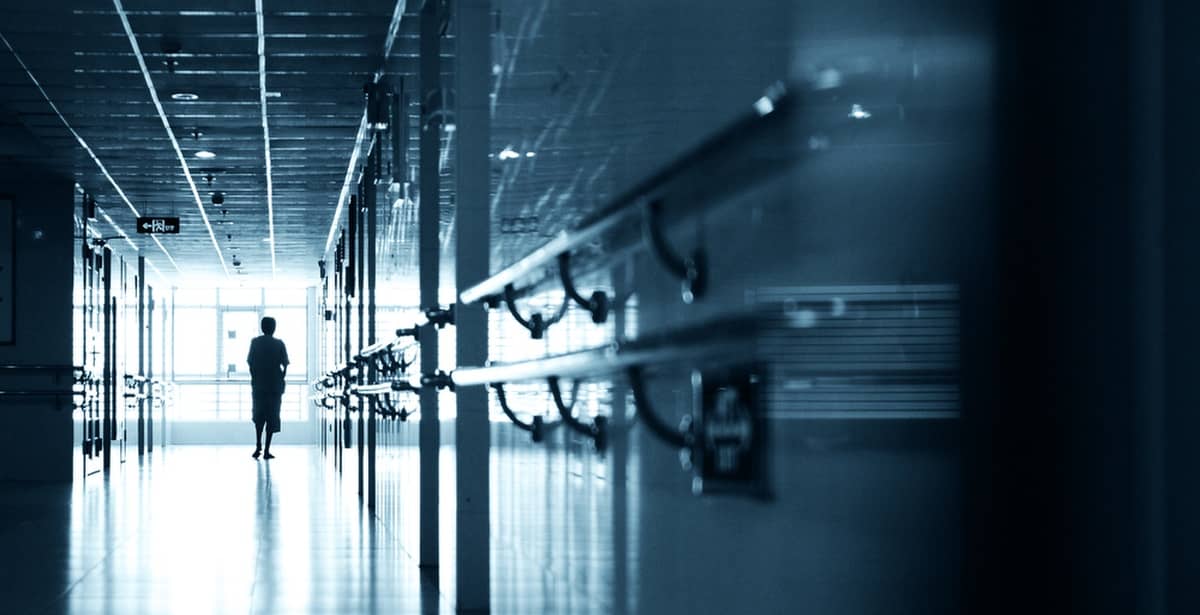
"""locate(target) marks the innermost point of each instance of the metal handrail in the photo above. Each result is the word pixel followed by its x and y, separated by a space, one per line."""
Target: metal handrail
pixel 376 348
pixel 37 393
pixel 16 366
pixel 371 389
pixel 393 345
pixel 722 340
pixel 769 121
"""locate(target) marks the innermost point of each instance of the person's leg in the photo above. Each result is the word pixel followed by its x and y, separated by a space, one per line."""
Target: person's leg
pixel 272 423
pixel 258 430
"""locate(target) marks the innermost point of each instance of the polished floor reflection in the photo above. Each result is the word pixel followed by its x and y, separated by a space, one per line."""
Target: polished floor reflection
pixel 204 530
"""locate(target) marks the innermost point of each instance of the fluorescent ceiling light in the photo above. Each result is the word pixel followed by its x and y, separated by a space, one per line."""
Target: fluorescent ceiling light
pixel 530 154
pixel 508 154
pixel 205 154
pixel 185 96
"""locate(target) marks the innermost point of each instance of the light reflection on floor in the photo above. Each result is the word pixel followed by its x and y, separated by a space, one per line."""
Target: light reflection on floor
pixel 204 530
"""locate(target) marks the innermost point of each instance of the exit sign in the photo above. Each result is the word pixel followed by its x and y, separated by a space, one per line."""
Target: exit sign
pixel 158 225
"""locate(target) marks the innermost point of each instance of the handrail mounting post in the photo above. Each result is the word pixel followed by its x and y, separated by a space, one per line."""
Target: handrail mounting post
pixel 536 324
pixel 597 431
pixel 691 270
pixel 597 305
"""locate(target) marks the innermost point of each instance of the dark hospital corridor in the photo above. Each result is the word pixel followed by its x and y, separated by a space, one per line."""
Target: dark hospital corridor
pixel 629 307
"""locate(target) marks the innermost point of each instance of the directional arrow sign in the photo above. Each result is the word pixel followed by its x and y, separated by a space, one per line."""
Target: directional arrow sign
pixel 159 225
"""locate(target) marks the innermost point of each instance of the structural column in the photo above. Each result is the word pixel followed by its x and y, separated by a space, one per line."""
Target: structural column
pixel 429 222
pixel 473 224
pixel 622 288
pixel 142 386
pixel 371 197
pixel 150 372
pixel 360 301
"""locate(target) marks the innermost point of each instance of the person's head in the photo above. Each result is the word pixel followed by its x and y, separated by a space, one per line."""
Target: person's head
pixel 268 325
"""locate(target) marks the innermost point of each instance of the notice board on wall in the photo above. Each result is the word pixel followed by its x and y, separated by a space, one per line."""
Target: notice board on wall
pixel 8 253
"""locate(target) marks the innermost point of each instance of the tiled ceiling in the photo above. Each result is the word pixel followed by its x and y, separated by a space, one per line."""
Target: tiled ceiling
pixel 317 57
pixel 592 98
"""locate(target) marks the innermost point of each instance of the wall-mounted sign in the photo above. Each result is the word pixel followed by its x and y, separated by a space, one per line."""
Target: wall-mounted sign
pixel 158 225
pixel 8 254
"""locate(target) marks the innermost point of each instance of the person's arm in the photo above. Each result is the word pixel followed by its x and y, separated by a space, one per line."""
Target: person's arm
pixel 284 362
pixel 250 358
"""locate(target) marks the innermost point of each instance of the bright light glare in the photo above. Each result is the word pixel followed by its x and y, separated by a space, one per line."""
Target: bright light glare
pixel 205 154
pixel 530 154
pixel 508 154
pixel 858 113
pixel 764 105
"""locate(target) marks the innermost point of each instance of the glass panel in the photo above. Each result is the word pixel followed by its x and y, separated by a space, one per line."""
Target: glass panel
pixel 194 402
pixel 194 348
pixel 203 297
pixel 240 326
pixel 291 297
pixel 241 297
pixel 231 401
pixel 292 328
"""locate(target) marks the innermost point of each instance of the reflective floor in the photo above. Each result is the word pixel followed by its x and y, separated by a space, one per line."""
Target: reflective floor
pixel 204 530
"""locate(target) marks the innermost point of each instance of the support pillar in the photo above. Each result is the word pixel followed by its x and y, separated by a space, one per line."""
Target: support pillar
pixel 150 373
pixel 372 196
pixel 622 275
pixel 429 223
pixel 360 301
pixel 472 24
pixel 141 316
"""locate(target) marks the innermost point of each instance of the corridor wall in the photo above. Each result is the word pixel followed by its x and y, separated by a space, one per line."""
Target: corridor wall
pixel 881 213
pixel 35 443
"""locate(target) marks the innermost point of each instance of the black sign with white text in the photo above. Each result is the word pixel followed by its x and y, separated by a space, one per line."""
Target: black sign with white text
pixel 158 225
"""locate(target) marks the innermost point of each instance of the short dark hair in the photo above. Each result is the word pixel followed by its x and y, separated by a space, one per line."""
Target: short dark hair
pixel 268 325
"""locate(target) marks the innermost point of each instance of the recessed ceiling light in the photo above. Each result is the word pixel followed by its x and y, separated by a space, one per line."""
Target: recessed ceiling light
pixel 764 105
pixel 858 113
pixel 205 154
pixel 185 96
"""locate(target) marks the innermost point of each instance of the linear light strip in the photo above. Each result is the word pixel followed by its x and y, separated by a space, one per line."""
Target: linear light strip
pixel 109 220
pixel 389 42
pixel 90 153
pixel 341 202
pixel 187 173
pixel 262 99
pixel 155 268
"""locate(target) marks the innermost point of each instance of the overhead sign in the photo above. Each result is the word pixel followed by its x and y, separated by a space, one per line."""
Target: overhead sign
pixel 159 225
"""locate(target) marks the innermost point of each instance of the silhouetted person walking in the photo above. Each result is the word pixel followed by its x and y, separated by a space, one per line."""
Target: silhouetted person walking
pixel 268 361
